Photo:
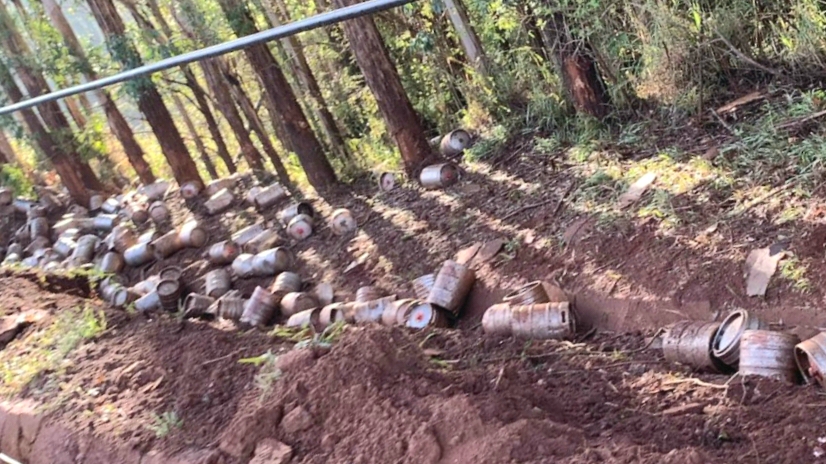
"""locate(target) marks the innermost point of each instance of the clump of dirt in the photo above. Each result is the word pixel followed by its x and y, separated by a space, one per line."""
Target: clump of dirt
pixel 166 380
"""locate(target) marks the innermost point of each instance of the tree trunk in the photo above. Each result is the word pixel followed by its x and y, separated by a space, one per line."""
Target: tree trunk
pixel 63 163
pixel 302 70
pixel 467 36
pixel 117 122
pixel 223 100
pixel 383 79
pixel 222 91
pixel 51 113
pixel 74 111
pixel 582 81
pixel 193 132
pixel 257 126
pixel 150 102
pixel 198 92
pixel 310 154
pixel 6 152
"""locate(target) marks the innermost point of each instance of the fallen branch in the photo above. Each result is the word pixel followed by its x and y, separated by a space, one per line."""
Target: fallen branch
pixel 543 203
pixel 800 121
pixel 745 58
pixel 758 200
pixel 697 382
pixel 212 361
pixel 725 124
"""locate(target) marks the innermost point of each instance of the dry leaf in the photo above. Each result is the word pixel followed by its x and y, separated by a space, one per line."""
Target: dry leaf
pixel 636 190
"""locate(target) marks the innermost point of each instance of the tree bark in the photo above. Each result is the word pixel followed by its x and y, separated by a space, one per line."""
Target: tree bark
pixel 117 122
pixel 257 126
pixel 305 75
pixel 63 163
pixel 467 36
pixel 193 132
pixel 36 84
pixel 7 154
pixel 307 147
pixel 198 92
pixel 383 79
pixel 583 83
pixel 150 102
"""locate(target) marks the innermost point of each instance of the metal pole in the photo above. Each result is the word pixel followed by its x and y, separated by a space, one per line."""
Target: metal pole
pixel 324 19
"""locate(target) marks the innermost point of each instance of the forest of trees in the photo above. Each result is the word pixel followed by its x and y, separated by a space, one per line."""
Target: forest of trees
pixel 332 103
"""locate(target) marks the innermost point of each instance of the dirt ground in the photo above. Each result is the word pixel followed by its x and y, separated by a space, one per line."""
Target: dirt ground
pixel 381 395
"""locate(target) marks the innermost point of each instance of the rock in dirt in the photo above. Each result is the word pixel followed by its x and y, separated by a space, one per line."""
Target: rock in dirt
pixel 297 420
pixel 295 360
pixel 761 264
pixel 423 447
pixel 11 326
pixel 684 409
pixel 488 251
pixel 270 451
pixel 636 190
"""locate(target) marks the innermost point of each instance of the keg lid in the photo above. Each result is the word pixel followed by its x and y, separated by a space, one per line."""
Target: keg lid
pixel 168 288
pixel 421 315
pixel 730 331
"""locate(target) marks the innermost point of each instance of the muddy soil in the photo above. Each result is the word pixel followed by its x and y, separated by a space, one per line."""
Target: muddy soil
pixel 382 395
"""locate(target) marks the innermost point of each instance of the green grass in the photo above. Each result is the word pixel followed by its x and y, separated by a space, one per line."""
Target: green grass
pixel 44 350
pixel 166 423
pixel 793 270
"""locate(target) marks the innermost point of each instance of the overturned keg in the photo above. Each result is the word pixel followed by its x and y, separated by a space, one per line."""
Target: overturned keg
pixel 242 266
pixel 148 302
pixel 38 227
pixel 296 302
pixel 497 319
pixel 191 189
pixel 543 321
pixel 231 306
pixel 260 308
pixel 324 293
pixel 342 222
pixel 110 206
pixel 85 250
pixel 121 239
pixel 158 212
pixel 397 312
pixel 439 176
pixel 765 353
pixel 226 183
pixel 811 358
pixel 271 262
pixel 223 252
pixel 726 344
pixel 269 196
pixel 307 318
pixel 690 343
pixel 367 293
pixel 300 227
pixel 105 222
pixel 245 235
pixel 368 311
pixel 451 287
pixel 137 212
pixel 331 314
pixel 284 283
pixel 219 202
pixel 167 245
pixel 217 283
pixel 454 142
pixel 6 196
pixel 270 238
pixel 287 214
pixel 95 202
pixel 139 254
pixel 422 286
pixel 386 181
pixel 197 305
pixel 156 190
pixel 192 235
pixel 532 293
pixel 424 315
pixel 111 263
